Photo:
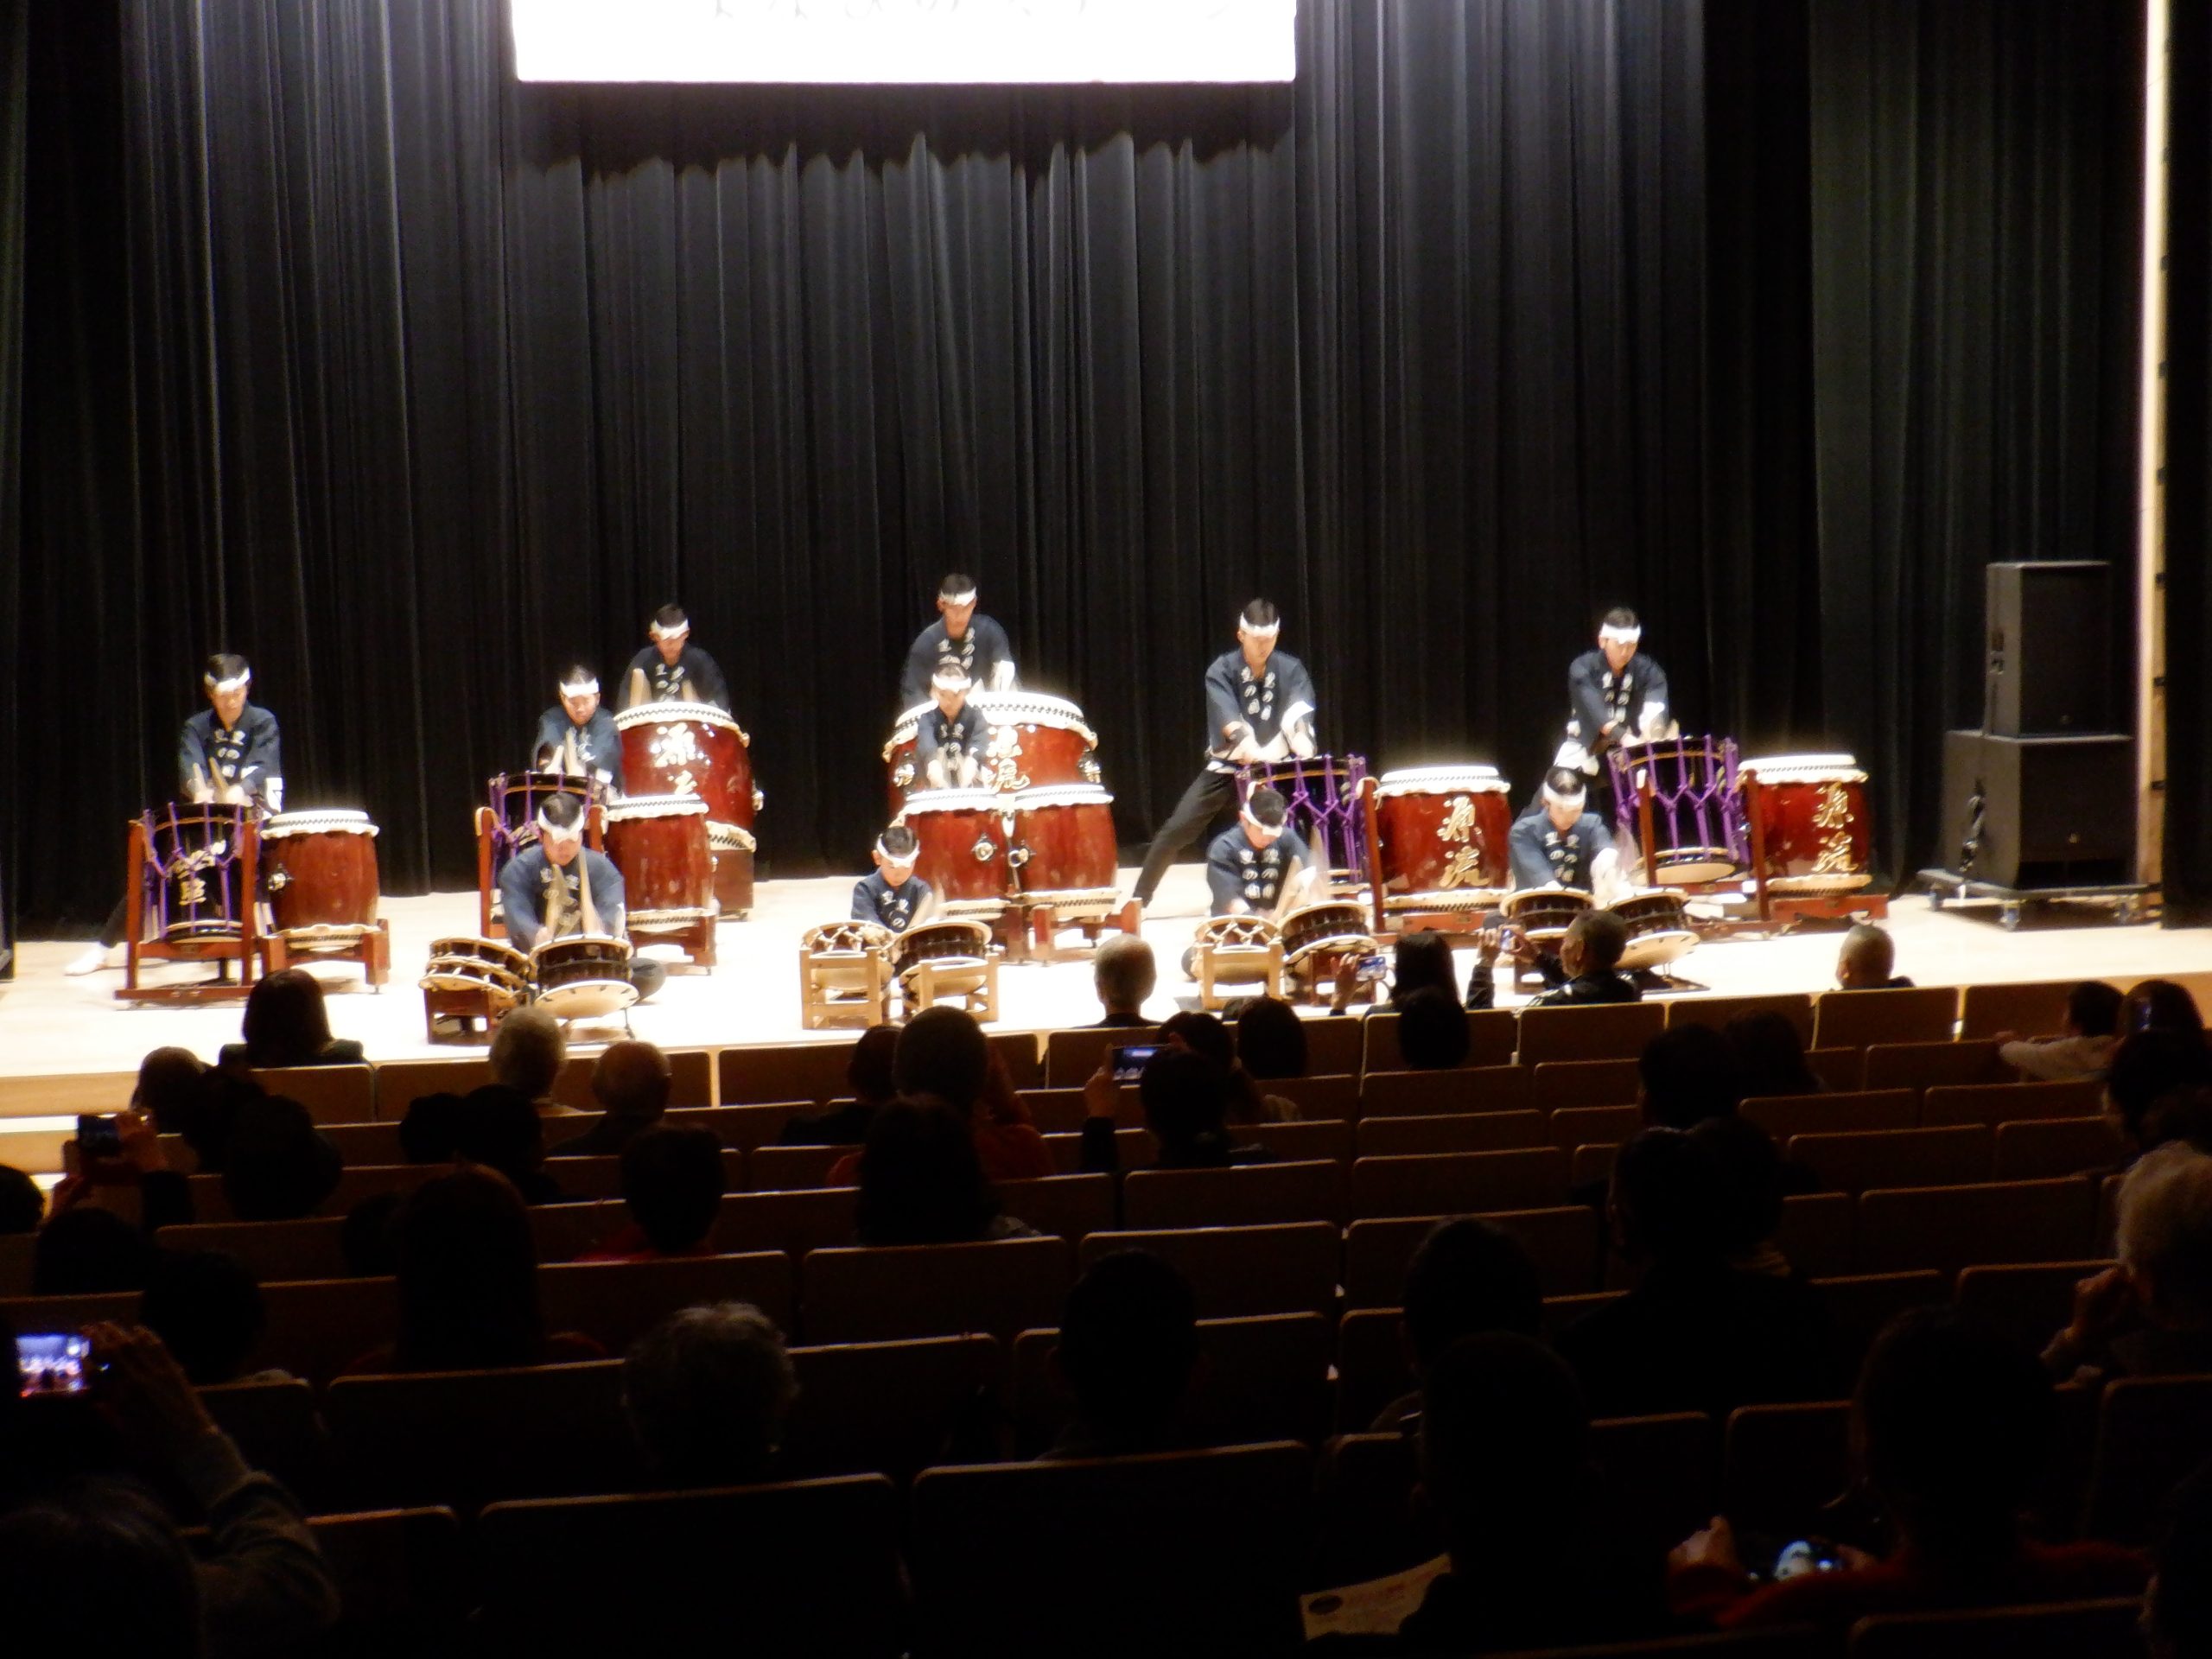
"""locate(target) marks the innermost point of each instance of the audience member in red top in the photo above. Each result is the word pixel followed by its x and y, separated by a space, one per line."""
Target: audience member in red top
pixel 672 1188
pixel 1128 1350
pixel 921 1181
pixel 1468 1276
pixel 707 1391
pixel 943 1055
pixel 467 1271
pixel 286 1023
pixel 871 1075
pixel 1952 1427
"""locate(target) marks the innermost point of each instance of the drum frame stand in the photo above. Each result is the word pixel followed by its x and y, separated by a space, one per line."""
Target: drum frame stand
pixel 244 948
pixel 1038 929
pixel 370 947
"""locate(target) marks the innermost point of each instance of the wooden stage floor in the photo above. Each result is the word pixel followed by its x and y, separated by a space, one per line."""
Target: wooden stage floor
pixel 50 1023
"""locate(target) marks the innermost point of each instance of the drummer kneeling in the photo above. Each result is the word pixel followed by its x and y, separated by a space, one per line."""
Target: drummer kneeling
pixel 559 889
pixel 1561 844
pixel 1258 865
pixel 895 897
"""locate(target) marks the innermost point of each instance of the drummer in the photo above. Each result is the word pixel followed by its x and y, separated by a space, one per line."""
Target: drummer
pixel 895 897
pixel 557 888
pixel 951 739
pixel 1258 865
pixel 1618 696
pixel 229 750
pixel 576 736
pixel 672 669
pixel 976 643
pixel 1259 708
pixel 1560 843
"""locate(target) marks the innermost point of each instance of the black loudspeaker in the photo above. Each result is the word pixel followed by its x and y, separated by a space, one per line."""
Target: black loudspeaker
pixel 2032 812
pixel 2049 666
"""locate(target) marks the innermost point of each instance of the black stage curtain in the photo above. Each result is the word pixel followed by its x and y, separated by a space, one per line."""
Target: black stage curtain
pixel 2188 473
pixel 413 383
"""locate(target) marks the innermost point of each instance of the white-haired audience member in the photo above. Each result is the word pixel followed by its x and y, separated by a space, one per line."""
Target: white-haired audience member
pixel 2152 1315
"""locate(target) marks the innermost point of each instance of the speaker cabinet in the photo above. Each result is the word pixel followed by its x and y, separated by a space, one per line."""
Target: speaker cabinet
pixel 2042 811
pixel 2050 670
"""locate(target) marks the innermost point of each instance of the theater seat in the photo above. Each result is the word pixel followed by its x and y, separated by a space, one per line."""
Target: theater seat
pixel 1891 1158
pixel 893 1408
pixel 2029 1302
pixel 2006 1102
pixel 1464 1183
pixel 1615 1032
pixel 2037 1149
pixel 1247 1195
pixel 1066 1206
pixel 1562 1242
pixel 400 1579
pixel 1288 1267
pixel 1780 1464
pixel 1948 1227
pixel 2152 1432
pixel 1861 1019
pixel 1471 1089
pixel 2070 1630
pixel 1937 1065
pixel 1427 1132
pixel 1783 1115
pixel 932 1290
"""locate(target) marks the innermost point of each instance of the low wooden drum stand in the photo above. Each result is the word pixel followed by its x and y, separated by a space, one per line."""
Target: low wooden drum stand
pixel 1236 950
pixel 844 969
pixel 471 982
pixel 938 961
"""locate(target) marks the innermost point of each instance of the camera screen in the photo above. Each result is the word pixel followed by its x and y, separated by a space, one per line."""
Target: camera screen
pixel 53 1364
pixel 1128 1061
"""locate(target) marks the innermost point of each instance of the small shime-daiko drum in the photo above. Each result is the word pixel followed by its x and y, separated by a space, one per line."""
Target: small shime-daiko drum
pixel 193 869
pixel 1036 741
pixel 1064 854
pixel 499 971
pixel 964 850
pixel 1814 826
pixel 1313 934
pixel 659 843
pixel 582 976
pixel 1658 929
pixel 1697 823
pixel 1543 915
pixel 953 942
pixel 1442 832
pixel 320 872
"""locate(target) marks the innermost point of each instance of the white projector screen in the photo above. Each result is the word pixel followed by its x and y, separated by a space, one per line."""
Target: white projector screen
pixel 906 41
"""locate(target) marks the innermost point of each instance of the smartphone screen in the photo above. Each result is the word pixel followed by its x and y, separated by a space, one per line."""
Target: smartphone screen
pixel 1128 1060
pixel 1371 968
pixel 100 1134
pixel 55 1364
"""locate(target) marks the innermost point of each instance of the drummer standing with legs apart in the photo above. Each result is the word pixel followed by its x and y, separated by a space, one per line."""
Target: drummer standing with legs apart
pixel 1258 706
pixel 951 737
pixel 1618 696
pixel 557 888
pixel 672 669
pixel 229 750
pixel 576 737
pixel 976 643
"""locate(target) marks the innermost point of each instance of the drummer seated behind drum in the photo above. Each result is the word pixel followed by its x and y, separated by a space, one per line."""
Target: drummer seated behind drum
pixel 229 750
pixel 577 735
pixel 1585 972
pixel 1258 865
pixel 951 737
pixel 672 669
pixel 557 888
pixel 1560 843
pixel 895 897
pixel 976 643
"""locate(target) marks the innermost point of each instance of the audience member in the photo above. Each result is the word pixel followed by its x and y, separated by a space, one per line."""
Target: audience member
pixel 209 1123
pixel 501 1129
pixel 2147 1067
pixel 1952 1427
pixel 206 1309
pixel 1586 971
pixel 870 1075
pixel 1468 1276
pixel 943 1055
pixel 707 1391
pixel 23 1207
pixel 172 1087
pixel 467 1271
pixel 1432 1030
pixel 2152 1315
pixel 286 1023
pixel 96 1565
pixel 2092 1033
pixel 1271 1040
pixel 1123 973
pixel 1868 960
pixel 2158 1005
pixel 2178 1607
pixel 89 1251
pixel 280 1167
pixel 1185 1098
pixel 1685 1075
pixel 1507 1470
pixel 1420 961
pixel 430 1132
pixel 922 1181
pixel 527 1052
pixel 133 1181
pixel 1206 1034
pixel 631 1084
pixel 1127 1352
pixel 672 1188
pixel 1695 1334
pixel 1753 1180
pixel 1769 1056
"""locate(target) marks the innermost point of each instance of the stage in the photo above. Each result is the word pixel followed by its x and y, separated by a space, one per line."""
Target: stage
pixel 52 1024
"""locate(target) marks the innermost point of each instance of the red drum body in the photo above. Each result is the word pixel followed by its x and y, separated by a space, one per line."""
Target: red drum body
pixel 1442 832
pixel 319 870
pixel 659 843
pixel 1658 931
pixel 1064 851
pixel 690 749
pixel 1814 825
pixel 731 849
pixel 1036 742
pixel 964 850
pixel 195 850
pixel 1543 915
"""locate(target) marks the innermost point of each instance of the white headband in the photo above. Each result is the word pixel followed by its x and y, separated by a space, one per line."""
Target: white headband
pixel 1256 631
pixel 890 857
pixel 669 631
pixel 580 687
pixel 547 827
pixel 967 598
pixel 1613 636
pixel 1553 797
pixel 236 684
pixel 950 677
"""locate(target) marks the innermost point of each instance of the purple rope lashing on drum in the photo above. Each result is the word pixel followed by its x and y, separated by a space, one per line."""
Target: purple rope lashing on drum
pixel 1331 821
pixel 1702 796
pixel 170 862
